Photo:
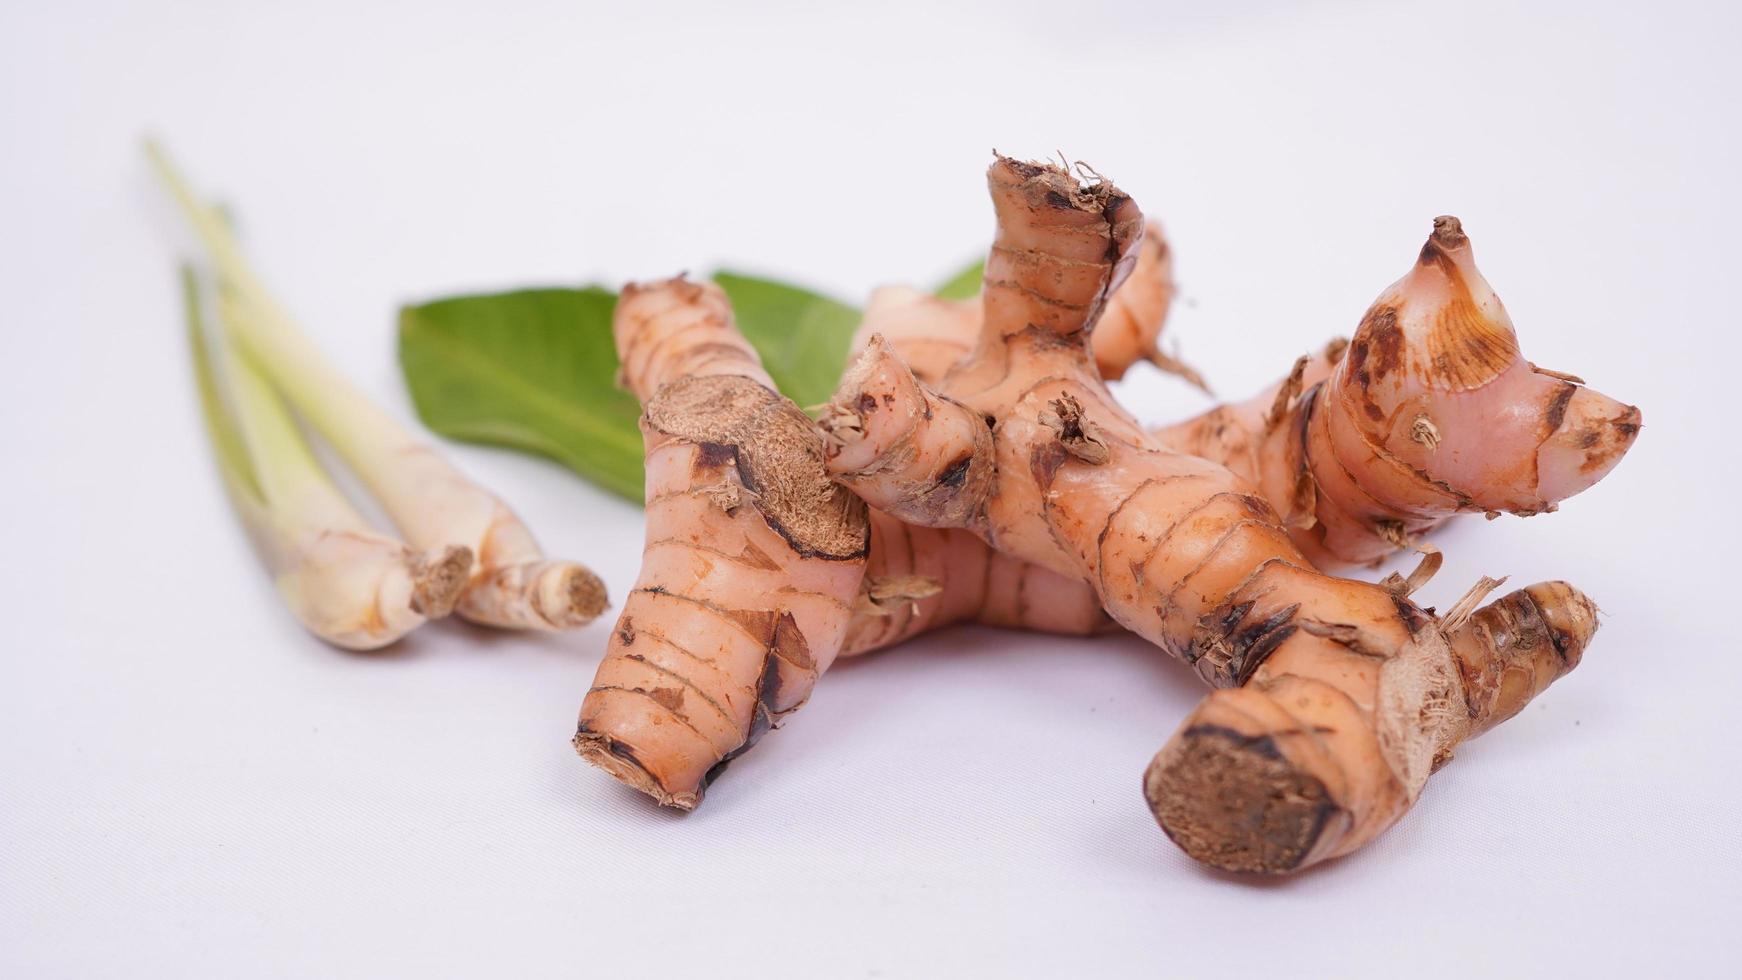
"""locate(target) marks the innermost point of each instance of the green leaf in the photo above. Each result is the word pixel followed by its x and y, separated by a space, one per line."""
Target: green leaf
pixel 533 370
pixel 964 284
pixel 802 336
pixel 536 370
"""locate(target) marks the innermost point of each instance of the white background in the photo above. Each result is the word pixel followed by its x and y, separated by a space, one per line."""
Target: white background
pixel 190 786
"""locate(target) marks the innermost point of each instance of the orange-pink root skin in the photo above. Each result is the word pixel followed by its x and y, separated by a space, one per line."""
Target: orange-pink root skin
pixel 1365 688
pixel 753 559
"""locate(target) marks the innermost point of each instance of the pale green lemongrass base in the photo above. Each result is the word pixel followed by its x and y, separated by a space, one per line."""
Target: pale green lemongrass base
pixel 346 582
pixel 433 504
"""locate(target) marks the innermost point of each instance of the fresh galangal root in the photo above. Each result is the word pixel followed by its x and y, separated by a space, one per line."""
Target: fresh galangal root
pixel 1314 757
pixel 1428 412
pixel 1363 447
pixel 1370 502
pixel 1354 692
pixel 920 579
pixel 753 558
pixel 933 333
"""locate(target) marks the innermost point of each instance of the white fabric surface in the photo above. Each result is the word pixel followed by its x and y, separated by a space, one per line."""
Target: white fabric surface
pixel 190 786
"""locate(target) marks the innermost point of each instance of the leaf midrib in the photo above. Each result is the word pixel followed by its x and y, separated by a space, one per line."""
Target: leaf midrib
pixel 467 361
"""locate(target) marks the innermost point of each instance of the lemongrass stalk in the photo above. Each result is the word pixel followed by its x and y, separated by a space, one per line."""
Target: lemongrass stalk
pixel 434 505
pixel 347 583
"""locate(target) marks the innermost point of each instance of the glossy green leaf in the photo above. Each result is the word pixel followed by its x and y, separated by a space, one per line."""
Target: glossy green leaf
pixel 536 369
pixel 533 370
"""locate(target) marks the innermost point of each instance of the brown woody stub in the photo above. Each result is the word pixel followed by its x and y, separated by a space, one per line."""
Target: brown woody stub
pixel 1236 802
